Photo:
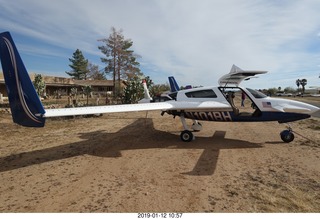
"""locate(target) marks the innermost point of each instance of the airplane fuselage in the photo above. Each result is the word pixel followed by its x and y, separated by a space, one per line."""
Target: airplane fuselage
pixel 228 109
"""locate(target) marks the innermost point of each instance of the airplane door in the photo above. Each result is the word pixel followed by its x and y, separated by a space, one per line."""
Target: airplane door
pixel 241 101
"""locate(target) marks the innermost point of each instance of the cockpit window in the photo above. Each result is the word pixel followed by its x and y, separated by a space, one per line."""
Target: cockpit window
pixel 202 94
pixel 256 94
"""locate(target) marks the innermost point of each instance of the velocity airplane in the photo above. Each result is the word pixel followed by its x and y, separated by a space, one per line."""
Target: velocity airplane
pixel 205 103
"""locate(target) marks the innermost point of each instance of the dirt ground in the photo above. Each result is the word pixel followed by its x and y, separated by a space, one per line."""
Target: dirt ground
pixel 136 162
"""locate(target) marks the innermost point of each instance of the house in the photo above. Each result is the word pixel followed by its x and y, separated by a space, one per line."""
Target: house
pixel 62 86
pixel 101 87
pixel 2 86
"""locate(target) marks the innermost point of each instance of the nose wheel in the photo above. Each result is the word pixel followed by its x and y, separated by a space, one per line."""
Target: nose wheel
pixel 287 135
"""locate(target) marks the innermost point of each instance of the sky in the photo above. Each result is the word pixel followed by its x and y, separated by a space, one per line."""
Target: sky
pixel 196 41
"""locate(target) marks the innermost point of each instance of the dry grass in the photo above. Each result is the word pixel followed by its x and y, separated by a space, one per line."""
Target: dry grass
pixel 311 123
pixel 281 193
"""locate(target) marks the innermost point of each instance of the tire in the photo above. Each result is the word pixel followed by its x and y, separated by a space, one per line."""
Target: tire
pixel 287 136
pixel 186 136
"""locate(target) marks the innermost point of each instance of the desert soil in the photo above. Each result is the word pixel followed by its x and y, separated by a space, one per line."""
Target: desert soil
pixel 136 162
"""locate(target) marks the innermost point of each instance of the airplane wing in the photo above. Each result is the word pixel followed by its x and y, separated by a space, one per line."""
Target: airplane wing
pixel 237 75
pixel 105 109
pixel 170 105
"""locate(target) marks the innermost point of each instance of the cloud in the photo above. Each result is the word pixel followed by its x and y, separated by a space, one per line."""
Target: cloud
pixel 197 41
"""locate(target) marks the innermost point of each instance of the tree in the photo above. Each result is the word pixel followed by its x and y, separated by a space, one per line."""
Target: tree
pixel 158 89
pixel 73 95
pixel 272 91
pixel 134 91
pixel 303 83
pixel 79 66
pixel 298 83
pixel 87 91
pixel 94 73
pixel 289 90
pixel 39 84
pixel 120 60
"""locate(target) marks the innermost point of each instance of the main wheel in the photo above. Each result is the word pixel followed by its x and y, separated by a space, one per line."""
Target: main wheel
pixel 186 136
pixel 287 136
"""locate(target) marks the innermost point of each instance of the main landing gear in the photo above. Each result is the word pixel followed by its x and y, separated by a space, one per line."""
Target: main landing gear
pixel 186 135
pixel 287 135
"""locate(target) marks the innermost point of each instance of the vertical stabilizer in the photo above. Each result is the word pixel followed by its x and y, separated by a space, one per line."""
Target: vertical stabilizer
pixel 147 98
pixel 26 107
pixel 173 84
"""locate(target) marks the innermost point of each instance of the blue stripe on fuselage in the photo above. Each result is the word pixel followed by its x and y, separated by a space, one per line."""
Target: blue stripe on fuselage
pixel 229 116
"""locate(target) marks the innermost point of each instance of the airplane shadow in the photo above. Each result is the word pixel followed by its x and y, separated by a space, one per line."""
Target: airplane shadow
pixel 131 137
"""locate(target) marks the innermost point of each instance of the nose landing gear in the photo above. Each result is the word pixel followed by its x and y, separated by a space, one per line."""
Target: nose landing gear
pixel 287 135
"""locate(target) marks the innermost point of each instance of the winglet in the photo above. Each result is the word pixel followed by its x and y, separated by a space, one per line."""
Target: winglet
pixel 26 107
pixel 147 98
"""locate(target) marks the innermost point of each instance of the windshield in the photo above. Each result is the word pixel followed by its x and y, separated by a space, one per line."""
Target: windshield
pixel 256 94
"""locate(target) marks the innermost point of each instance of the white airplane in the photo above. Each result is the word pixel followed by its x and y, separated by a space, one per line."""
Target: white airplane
pixel 205 103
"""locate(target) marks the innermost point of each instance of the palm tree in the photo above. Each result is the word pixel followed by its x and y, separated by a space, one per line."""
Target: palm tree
pixel 303 83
